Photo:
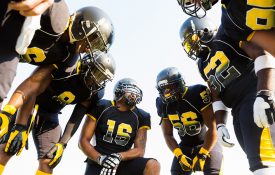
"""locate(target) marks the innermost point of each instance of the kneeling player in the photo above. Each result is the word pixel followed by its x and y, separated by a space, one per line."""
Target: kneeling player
pixel 117 126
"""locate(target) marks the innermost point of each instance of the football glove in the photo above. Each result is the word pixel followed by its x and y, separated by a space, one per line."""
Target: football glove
pixel 56 153
pixel 224 136
pixel 199 160
pixel 5 118
pixel 107 171
pixel 17 140
pixel 184 161
pixel 111 161
pixel 264 108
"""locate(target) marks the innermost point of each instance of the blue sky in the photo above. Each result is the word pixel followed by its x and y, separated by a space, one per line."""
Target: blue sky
pixel 146 41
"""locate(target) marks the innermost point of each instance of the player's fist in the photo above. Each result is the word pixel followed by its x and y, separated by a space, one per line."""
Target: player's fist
pixel 185 162
pixel 264 108
pixel 199 160
pixel 224 136
pixel 56 153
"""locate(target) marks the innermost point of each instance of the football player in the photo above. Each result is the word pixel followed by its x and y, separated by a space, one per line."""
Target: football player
pixel 89 29
pixel 231 73
pixel 188 109
pixel 83 87
pixel 120 129
pixel 59 38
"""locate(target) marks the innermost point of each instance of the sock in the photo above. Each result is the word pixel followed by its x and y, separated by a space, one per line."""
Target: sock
pixel 38 172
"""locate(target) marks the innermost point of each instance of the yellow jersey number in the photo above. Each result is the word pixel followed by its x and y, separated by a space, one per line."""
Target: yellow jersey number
pixel 34 54
pixel 224 73
pixel 261 16
pixel 123 133
pixel 186 123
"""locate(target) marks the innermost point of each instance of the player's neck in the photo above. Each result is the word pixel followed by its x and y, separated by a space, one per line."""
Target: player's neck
pixel 122 106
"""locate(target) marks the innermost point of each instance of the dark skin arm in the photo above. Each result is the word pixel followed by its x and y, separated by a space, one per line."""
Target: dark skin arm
pixel 74 121
pixel 211 134
pixel 26 93
pixel 266 77
pixel 139 146
pixel 167 131
pixel 86 135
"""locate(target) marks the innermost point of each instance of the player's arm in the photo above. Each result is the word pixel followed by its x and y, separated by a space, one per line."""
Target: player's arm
pixel 167 131
pixel 86 135
pixel 139 146
pixel 71 127
pixel 264 105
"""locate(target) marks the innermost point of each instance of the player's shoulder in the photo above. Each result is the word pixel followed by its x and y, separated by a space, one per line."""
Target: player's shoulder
pixel 141 113
pixel 196 89
pixel 104 103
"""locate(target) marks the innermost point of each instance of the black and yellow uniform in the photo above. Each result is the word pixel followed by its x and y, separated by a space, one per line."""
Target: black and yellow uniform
pixel 185 116
pixel 231 71
pixel 45 48
pixel 240 18
pixel 116 132
pixel 61 92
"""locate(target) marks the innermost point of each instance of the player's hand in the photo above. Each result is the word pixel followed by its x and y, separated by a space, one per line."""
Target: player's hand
pixel 199 160
pixel 185 162
pixel 264 108
pixel 111 161
pixel 56 152
pixel 31 7
pixel 224 136
pixel 108 171
pixel 17 140
pixel 5 119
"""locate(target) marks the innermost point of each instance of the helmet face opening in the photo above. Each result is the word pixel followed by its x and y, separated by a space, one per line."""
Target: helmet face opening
pixel 191 8
pixel 128 90
pixel 170 84
pixel 99 69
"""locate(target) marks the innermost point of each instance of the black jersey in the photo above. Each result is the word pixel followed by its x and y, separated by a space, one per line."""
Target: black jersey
pixel 116 130
pixel 229 69
pixel 241 17
pixel 64 90
pixel 185 114
pixel 46 46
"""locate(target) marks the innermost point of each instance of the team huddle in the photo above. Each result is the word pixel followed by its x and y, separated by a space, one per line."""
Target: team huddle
pixel 73 66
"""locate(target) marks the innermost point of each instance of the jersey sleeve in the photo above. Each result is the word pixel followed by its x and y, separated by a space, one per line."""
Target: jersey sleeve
pixel 161 108
pixel 145 119
pixel 95 110
pixel 203 97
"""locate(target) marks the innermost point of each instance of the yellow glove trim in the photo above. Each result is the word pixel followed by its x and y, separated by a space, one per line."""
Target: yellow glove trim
pixel 38 172
pixel 24 141
pixel 59 152
pixel 11 138
pixel 9 109
pixel 204 151
pixel 177 152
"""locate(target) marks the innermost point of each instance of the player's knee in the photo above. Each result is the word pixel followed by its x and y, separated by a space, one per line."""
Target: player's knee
pixel 152 167
pixel 44 165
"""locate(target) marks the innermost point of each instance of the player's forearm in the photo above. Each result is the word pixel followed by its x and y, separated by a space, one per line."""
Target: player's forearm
pixel 25 111
pixel 73 123
pixel 210 139
pixel 132 153
pixel 88 149
pixel 171 142
pixel 266 79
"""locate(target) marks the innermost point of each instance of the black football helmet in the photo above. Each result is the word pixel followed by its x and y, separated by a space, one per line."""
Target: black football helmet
pixel 94 25
pixel 196 36
pixel 97 70
pixel 197 10
pixel 128 88
pixel 170 84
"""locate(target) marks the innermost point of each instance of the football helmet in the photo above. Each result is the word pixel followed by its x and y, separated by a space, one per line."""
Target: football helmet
pixel 97 70
pixel 196 36
pixel 128 88
pixel 170 84
pixel 94 25
pixel 196 9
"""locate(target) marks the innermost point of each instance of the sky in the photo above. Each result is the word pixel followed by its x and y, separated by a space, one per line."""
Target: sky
pixel 146 41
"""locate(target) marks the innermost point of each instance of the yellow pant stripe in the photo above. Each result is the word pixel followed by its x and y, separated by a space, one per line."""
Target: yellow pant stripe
pixel 2 167
pixel 267 151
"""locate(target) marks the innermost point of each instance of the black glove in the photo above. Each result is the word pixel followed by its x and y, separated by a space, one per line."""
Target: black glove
pixel 17 140
pixel 55 154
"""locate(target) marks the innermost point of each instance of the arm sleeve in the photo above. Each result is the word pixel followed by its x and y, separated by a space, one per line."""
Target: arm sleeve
pixel 161 108
pixel 145 119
